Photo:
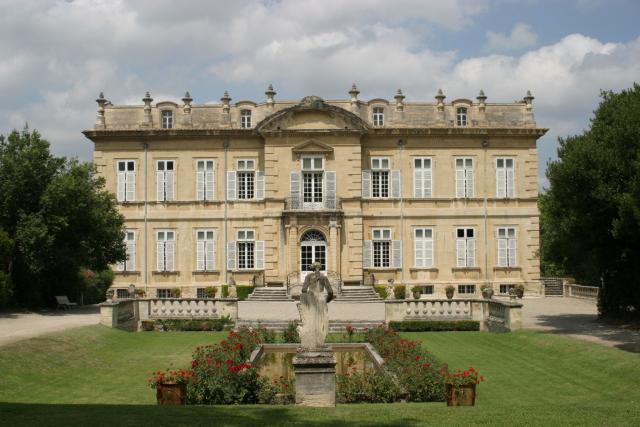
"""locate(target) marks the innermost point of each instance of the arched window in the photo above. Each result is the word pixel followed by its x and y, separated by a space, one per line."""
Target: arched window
pixel 313 236
pixel 167 119
pixel 378 116
pixel 461 116
pixel 245 119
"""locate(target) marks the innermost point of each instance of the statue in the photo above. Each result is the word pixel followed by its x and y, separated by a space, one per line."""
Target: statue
pixel 313 309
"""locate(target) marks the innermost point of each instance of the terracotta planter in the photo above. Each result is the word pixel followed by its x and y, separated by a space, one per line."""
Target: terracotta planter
pixel 464 395
pixel 171 394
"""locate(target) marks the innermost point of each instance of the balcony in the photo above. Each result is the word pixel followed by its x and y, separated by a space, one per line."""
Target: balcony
pixel 297 204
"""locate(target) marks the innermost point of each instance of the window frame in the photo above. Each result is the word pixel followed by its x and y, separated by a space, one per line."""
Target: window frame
pixel 383 186
pixel 469 185
pixel 165 239
pixel 425 239
pixel 165 170
pixel 213 239
pixel 379 243
pixel 377 116
pixel 506 286
pixel 507 238
pixel 507 186
pixel 426 193
pixel 166 124
pixel 245 242
pixel 245 118
pixel 463 289
pixel 122 266
pixel 126 171
pixel 242 178
pixel 205 171
pixel 160 291
pixel 122 290
pixel 466 237
pixel 462 116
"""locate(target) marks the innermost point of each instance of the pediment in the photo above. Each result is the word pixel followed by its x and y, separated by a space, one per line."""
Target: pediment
pixel 312 147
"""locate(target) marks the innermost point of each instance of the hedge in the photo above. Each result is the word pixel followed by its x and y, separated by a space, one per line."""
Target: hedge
pixel 435 325
pixel 243 291
pixel 382 291
pixel 193 324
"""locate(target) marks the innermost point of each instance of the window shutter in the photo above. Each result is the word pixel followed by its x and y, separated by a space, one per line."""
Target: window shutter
pixel 330 185
pixel 160 256
pixel 130 195
pixel 501 181
pixel 471 252
pixel 460 193
pixel 426 183
pixel 366 184
pixel 210 251
pixel 511 182
pixel 512 252
pixel 231 185
pixel 210 184
pixel 160 186
pixel 122 177
pixel 259 246
pixel 170 248
pixel 294 189
pixel 418 253
pixel 131 256
pixel 120 265
pixel 417 183
pixel 396 253
pixel 396 187
pixel 502 252
pixel 367 254
pixel 469 173
pixel 171 185
pixel 461 249
pixel 200 185
pixel 200 255
pixel 260 185
pixel 428 253
pixel 231 255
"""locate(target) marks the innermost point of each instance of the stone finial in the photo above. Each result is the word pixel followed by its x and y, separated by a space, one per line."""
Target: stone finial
pixel 101 103
pixel 270 94
pixel 354 94
pixel 481 99
pixel 226 99
pixel 440 98
pixel 147 99
pixel 147 109
pixel 186 121
pixel 399 100
pixel 528 99
pixel 186 99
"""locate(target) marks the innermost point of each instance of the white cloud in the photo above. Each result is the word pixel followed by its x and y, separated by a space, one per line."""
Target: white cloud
pixel 522 36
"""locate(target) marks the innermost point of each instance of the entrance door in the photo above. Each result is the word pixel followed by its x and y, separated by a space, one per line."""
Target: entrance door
pixel 313 248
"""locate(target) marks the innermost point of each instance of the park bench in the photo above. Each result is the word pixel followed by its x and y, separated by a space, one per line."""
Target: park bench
pixel 64 303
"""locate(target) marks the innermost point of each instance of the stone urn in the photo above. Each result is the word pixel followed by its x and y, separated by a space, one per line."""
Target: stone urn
pixel 461 395
pixel 512 293
pixel 171 393
pixel 487 292
pixel 449 290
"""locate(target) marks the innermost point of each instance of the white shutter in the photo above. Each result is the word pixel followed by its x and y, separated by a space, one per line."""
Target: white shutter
pixel 160 256
pixel 200 185
pixel 501 178
pixel 511 182
pixel 160 186
pixel 130 195
pixel 131 256
pixel 231 185
pixel 426 183
pixel 396 253
pixel 122 177
pixel 471 252
pixel 259 184
pixel 461 250
pixel 460 183
pixel 469 177
pixel 259 246
pixel 512 252
pixel 170 249
pixel 294 189
pixel 417 183
pixel 366 184
pixel 170 185
pixel 231 255
pixel 396 187
pixel 210 184
pixel 428 253
pixel 330 190
pixel 200 248
pixel 502 252
pixel 210 252
pixel 367 254
pixel 418 253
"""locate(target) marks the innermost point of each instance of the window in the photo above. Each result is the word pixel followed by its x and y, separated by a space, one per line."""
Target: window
pixel 122 293
pixel 464 177
pixel 126 180
pixel 130 242
pixel 165 250
pixel 422 177
pixel 465 247
pixel 381 247
pixel 245 119
pixel 205 180
pixel 380 177
pixel 312 174
pixel 467 289
pixel 205 250
pixel 505 177
pixel 461 116
pixel 246 179
pixel 200 293
pixel 378 116
pixel 426 290
pixel 163 293
pixel 167 119
pixel 504 289
pixel 246 246
pixel 423 247
pixel 165 180
pixel 507 244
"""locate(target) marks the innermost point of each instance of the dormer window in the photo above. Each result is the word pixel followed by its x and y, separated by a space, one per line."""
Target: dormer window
pixel 461 116
pixel 378 116
pixel 167 119
pixel 245 119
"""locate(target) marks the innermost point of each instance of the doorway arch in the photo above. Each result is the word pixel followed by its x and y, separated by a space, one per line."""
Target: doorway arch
pixel 313 248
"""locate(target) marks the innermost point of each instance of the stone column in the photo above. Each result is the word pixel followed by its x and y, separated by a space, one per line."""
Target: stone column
pixel 334 245
pixel 292 247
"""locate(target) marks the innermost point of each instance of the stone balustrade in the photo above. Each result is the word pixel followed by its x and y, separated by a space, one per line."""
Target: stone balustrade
pixel 580 291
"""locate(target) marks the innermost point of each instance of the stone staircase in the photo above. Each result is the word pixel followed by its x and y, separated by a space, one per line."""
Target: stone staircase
pixel 553 288
pixel 269 294
pixel 358 294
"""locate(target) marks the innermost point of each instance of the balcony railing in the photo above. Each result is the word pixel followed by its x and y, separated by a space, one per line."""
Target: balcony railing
pixel 298 204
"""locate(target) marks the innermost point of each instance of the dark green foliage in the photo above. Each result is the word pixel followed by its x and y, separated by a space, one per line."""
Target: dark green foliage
pixel 590 216
pixel 6 287
pixel 194 324
pixel 370 387
pixel 243 291
pixel 399 291
pixel 225 291
pixel 290 334
pixel 95 285
pixel 381 290
pixel 148 325
pixel 435 325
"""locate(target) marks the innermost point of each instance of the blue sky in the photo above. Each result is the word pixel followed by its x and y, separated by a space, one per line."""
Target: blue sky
pixel 56 56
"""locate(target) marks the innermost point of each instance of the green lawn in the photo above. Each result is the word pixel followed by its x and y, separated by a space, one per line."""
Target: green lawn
pixel 97 376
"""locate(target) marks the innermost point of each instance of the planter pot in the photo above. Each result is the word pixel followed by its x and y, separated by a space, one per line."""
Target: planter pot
pixel 171 394
pixel 487 293
pixel 520 293
pixel 416 295
pixel 464 395
pixel 449 294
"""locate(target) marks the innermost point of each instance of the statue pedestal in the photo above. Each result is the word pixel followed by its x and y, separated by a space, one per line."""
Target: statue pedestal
pixel 315 371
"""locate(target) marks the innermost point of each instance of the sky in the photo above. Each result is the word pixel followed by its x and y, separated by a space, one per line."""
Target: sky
pixel 56 56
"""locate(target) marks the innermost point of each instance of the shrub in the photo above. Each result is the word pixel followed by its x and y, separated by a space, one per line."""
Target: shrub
pixel 176 292
pixel 435 325
pixel 210 292
pixel 461 378
pixel 96 284
pixel 290 334
pixel 243 291
pixel 399 291
pixel 225 291
pixel 372 387
pixel 382 291
pixel 194 324
pixel 147 325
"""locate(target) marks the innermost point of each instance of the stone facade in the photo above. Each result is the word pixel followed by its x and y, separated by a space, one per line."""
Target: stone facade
pixel 395 192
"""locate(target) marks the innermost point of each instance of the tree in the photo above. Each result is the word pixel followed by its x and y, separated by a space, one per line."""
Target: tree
pixel 590 216
pixel 58 218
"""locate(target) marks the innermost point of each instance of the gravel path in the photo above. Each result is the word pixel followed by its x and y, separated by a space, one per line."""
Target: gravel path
pixel 19 325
